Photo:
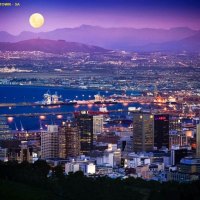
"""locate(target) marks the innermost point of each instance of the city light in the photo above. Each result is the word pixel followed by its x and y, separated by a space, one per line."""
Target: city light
pixel 59 116
pixel 10 119
pixel 42 117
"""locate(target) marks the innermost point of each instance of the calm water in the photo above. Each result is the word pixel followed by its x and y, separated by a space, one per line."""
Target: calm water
pixel 13 94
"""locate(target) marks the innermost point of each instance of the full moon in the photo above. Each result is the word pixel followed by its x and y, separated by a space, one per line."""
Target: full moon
pixel 36 20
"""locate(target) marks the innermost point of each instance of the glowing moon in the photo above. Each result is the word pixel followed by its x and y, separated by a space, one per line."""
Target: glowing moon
pixel 36 20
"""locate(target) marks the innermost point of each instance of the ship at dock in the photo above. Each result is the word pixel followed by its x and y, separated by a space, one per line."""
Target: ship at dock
pixel 102 111
pixel 53 100
pixel 98 99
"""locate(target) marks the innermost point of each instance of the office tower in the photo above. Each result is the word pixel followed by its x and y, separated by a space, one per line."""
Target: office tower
pixel 143 132
pixel 176 136
pixel 198 141
pixel 125 144
pixel 177 154
pixel 5 132
pixel 26 153
pixel 177 139
pixel 97 124
pixel 161 131
pixel 49 142
pixel 175 124
pixel 97 127
pixel 84 122
pixel 69 140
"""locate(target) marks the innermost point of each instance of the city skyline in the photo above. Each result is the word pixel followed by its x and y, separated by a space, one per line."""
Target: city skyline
pixel 113 98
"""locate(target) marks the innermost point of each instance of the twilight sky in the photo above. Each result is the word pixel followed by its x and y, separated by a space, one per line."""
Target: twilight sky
pixel 106 13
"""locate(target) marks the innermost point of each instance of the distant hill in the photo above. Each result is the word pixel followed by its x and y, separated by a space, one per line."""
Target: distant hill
pixel 49 46
pixel 191 44
pixel 109 38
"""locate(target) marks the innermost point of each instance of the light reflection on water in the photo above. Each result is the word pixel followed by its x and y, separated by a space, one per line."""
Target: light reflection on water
pixel 16 94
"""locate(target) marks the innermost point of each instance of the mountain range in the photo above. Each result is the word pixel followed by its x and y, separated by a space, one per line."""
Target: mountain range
pixel 50 46
pixel 129 39
pixel 190 44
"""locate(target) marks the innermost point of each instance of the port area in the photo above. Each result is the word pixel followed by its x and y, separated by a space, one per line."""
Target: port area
pixel 55 104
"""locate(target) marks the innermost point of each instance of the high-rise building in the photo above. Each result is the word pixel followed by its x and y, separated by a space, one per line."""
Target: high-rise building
pixel 97 124
pixel 26 153
pixel 5 132
pixel 198 141
pixel 97 127
pixel 69 140
pixel 125 144
pixel 177 154
pixel 143 132
pixel 161 131
pixel 175 124
pixel 84 122
pixel 177 139
pixel 49 142
pixel 176 136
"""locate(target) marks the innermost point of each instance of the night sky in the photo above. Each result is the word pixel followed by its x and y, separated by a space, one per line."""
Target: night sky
pixel 106 13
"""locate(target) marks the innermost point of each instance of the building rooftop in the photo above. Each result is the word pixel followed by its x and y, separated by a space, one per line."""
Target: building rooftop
pixel 190 161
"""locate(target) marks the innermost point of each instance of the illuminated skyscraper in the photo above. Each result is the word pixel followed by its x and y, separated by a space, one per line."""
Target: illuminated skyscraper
pixel 69 140
pixel 49 142
pixel 143 133
pixel 175 124
pixel 161 131
pixel 97 124
pixel 198 140
pixel 176 136
pixel 5 132
pixel 84 123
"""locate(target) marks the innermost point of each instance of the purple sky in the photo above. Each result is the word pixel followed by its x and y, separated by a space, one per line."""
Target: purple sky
pixel 110 13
